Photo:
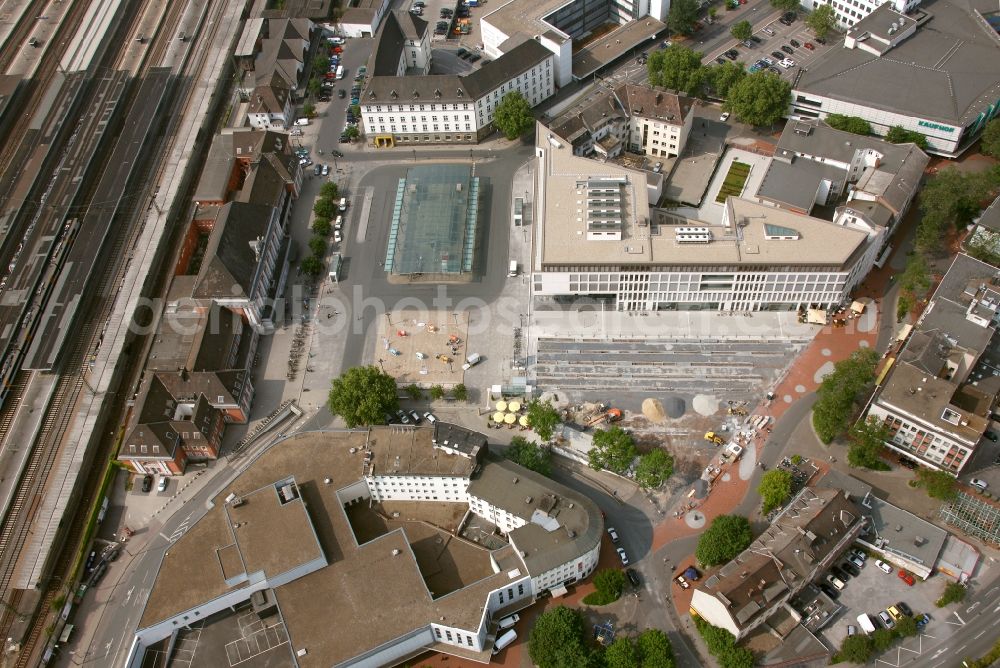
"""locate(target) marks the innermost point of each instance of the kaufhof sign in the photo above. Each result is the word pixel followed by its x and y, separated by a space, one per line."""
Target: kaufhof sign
pixel 936 126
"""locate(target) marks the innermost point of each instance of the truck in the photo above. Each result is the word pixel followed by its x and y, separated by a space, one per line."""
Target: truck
pixel 471 361
pixel 504 640
pixel 866 623
pixel 711 437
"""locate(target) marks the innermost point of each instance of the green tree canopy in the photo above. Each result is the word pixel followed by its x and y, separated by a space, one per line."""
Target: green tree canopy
pixel 321 226
pixel 682 16
pixel 677 67
pixel 317 244
pixel 722 645
pixel 916 277
pixel 363 395
pixel 897 134
pixel 543 418
pixel 837 393
pixel 622 653
pixel 324 208
pixel 822 21
pixel 352 132
pixel 906 627
pixel 437 392
pixel 309 110
pixel 726 537
pixel 314 86
pixel 557 639
pixel 655 649
pixel 653 469
pixel 775 489
pixel 513 115
pixel 857 648
pixel 868 439
pixel 990 143
pixel 414 392
pixel 882 639
pixel 311 266
pixel 613 449
pixel 938 484
pixel 329 191
pixel 460 392
pixel 953 593
pixel 852 124
pixel 786 5
pixel 948 200
pixel 529 455
pixel 759 99
pixel 723 77
pixel 741 30
pixel 984 245
pixel 609 584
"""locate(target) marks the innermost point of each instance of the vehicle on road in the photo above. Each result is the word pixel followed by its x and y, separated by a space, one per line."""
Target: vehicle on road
pixel 633 577
pixel 724 117
pixel 341 93
pixel 623 556
pixel 337 154
pixel 471 361
pixel 147 483
pixel 981 485
pixel 906 577
pixel 162 485
pixel 613 534
pixel 884 567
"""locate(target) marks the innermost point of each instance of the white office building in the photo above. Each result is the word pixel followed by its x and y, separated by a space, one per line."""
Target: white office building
pixel 849 12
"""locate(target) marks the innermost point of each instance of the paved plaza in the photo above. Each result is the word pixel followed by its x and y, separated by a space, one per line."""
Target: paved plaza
pixel 423 348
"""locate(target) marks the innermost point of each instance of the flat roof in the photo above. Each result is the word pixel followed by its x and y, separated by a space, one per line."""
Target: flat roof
pixel 904 533
pixel 526 18
pixel 949 71
pixel 918 393
pixel 329 611
pixel 796 184
pixel 409 452
pixel 614 45
pixel 750 243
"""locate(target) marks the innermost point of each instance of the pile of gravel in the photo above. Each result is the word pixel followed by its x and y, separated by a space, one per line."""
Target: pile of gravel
pixel 653 410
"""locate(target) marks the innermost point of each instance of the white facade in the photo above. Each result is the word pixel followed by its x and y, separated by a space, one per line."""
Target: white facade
pixel 849 12
pixel 418 488
pixel 934 447
pixel 658 138
pixel 454 119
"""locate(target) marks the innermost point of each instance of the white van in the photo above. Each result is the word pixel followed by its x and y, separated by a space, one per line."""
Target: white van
pixel 471 361
pixel 503 641
pixel 302 121
pixel 508 622
pixel 866 623
pixel 512 270
pixel 340 72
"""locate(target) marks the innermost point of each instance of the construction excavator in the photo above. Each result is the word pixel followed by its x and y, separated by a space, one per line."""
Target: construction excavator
pixel 714 438
pixel 609 416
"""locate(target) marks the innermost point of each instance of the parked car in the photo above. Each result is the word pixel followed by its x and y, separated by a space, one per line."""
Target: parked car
pixel 787 49
pixel 850 568
pixel 787 63
pixel 623 556
pixel 906 462
pixel 887 621
pixel 859 554
pixel 905 609
pixel 906 577
pixel 633 577
pixel 91 559
pixel 337 154
pixel 430 417
pixel 681 582
pixel 852 630
pixel 162 485
pixel 326 170
pixel 795 43
pixel 829 591
pixel 403 417
pixel 790 16
pixel 147 483
pixel 820 40
pixel 923 620
pixel 731 54
pixel 724 117
pixel 613 534
pixel 778 54
pixel 415 416
pixel 884 567
pixel 856 561
pixel 835 570
pixel 981 485
pixel 318 170
pixel 720 60
pixel 835 581
pixel 809 45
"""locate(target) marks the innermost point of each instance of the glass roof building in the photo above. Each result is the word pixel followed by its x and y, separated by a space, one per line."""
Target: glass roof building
pixel 434 221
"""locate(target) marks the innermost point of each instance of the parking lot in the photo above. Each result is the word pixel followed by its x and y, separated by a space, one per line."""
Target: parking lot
pixel 766 45
pixel 873 591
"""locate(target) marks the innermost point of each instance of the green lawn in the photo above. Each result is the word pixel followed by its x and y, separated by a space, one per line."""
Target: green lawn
pixel 734 181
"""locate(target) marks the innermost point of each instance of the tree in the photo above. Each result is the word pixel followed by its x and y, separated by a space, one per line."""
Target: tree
pixel 948 200
pixel 437 392
pixel 741 30
pixel 677 67
pixel 614 450
pixel 712 13
pixel 513 115
pixel 321 226
pixel 529 455
pixel 543 418
pixel 882 639
pixel 318 245
pixel 311 266
pixel 557 639
pixel 414 392
pixel 722 645
pixel 726 537
pixel 916 277
pixel 906 627
pixel 655 649
pixel 759 99
pixel 352 132
pixel 329 191
pixel 682 16
pixel 938 484
pixel 723 77
pixel 309 110
pixel 355 110
pixel 868 440
pixel 786 5
pixel 622 653
pixel 653 469
pixel 856 649
pixel 609 584
pixel 897 134
pixel 320 64
pixel 822 21
pixel 990 143
pixel 903 305
pixel 459 392
pixel 363 395
pixel 853 124
pixel 953 593
pixel 324 208
pixel 836 395
pixel 314 86
pixel 775 489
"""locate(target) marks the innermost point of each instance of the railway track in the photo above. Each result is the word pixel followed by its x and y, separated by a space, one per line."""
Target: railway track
pixel 9 408
pixel 20 34
pixel 70 386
